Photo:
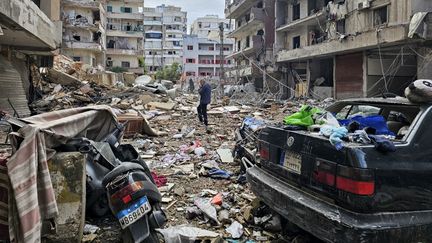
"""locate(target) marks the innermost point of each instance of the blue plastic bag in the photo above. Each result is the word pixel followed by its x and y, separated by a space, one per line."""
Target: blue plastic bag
pixel 377 122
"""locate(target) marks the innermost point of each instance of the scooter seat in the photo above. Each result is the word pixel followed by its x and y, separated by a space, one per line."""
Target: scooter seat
pixel 121 169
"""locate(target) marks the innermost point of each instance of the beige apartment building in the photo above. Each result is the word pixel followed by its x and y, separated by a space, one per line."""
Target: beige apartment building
pixel 164 28
pixel 125 35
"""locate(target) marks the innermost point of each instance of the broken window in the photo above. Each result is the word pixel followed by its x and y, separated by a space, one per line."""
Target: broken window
pixel 76 37
pixel 76 59
pixel 109 62
pixel 96 16
pixel 340 26
pixel 190 60
pixel 296 11
pixel 190 48
pixel 312 7
pixel 125 64
pixel 97 36
pixel 247 17
pixel 239 45
pixel 247 41
pixel 176 43
pixel 296 42
pixel 380 16
pixel 111 44
pixel 260 5
pixel 109 9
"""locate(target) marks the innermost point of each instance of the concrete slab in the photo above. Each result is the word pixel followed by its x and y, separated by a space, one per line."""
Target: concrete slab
pixel 163 106
pixel 225 155
pixel 68 177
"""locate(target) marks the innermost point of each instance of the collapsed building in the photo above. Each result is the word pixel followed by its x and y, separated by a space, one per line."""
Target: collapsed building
pixel 254 35
pixel 351 48
pixel 84 31
pixel 29 32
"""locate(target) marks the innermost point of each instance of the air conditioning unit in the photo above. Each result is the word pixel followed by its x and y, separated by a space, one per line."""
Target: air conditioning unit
pixel 364 5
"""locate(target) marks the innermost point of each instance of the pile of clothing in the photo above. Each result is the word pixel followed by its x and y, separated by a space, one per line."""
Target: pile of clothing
pixel 358 129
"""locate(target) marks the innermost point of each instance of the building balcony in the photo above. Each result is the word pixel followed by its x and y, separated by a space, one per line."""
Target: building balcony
pixel 176 31
pixel 120 33
pixel 92 46
pixel 313 19
pixel 240 71
pixel 132 16
pixel 238 7
pixel 174 39
pixel 25 25
pixel 94 5
pixel 152 47
pixel 393 35
pixel 152 22
pixel 88 26
pixel 256 45
pixel 126 52
pixel 128 1
pixel 173 47
pixel 257 17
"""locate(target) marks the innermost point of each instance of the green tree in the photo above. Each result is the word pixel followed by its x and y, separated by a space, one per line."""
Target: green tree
pixel 141 61
pixel 169 72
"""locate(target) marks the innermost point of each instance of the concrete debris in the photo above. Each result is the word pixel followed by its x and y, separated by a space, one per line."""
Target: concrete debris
pixel 235 229
pixel 182 233
pixel 205 180
pixel 225 155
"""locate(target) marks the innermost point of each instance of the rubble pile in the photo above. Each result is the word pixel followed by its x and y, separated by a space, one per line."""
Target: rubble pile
pixel 203 185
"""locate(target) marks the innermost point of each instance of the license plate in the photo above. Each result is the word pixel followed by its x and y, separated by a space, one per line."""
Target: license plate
pixel 136 211
pixel 293 162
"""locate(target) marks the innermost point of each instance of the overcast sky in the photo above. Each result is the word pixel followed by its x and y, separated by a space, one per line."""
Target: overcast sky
pixel 194 8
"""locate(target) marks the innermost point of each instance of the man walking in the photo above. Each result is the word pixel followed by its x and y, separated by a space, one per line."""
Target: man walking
pixel 205 98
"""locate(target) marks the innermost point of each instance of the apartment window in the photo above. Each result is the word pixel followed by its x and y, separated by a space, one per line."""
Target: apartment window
pixel 239 45
pixel 125 10
pixel 340 26
pixel 125 64
pixel 296 42
pixel 190 48
pixel 380 16
pixel 226 49
pixel 109 9
pixel 247 41
pixel 76 59
pixel 296 11
pixel 211 48
pixel 190 60
pixel 176 43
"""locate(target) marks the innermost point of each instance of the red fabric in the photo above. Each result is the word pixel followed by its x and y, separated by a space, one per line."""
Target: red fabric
pixel 159 180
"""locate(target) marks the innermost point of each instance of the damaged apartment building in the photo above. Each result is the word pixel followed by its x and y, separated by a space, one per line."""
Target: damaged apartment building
pixel 84 31
pixel 254 36
pixel 29 32
pixel 352 48
pixel 125 35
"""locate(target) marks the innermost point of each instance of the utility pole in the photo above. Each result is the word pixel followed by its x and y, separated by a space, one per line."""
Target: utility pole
pixel 222 57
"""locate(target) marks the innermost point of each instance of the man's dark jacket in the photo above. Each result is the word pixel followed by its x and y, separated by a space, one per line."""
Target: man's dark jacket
pixel 205 93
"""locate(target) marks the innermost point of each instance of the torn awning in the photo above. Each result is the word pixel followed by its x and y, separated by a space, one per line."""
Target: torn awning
pixel 32 193
pixel 416 27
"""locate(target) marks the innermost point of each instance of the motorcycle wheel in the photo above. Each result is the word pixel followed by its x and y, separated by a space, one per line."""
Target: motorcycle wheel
pixel 127 237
